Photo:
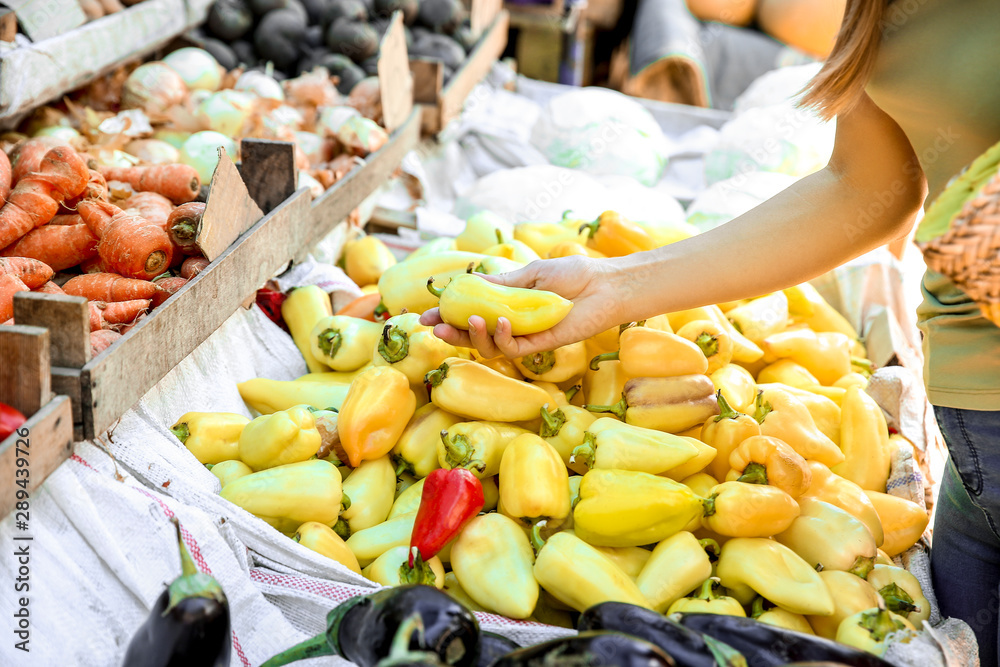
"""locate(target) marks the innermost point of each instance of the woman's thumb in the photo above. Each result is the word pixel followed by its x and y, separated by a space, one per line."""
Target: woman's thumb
pixel 523 277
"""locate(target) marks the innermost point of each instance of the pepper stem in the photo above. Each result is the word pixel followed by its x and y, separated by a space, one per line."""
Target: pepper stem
pixel 459 451
pixel 436 291
pixel 762 408
pixel 897 600
pixel 572 391
pixel 394 344
pixel 758 607
pixel 499 235
pixel 552 422
pixel 182 431
pixel 436 376
pixel 539 363
pixel 726 411
pixel 591 228
pixel 709 504
pixel 607 356
pixel 342 528
pixel 708 344
pixel 710 546
pixel 618 409
pixel 880 624
pixel 311 648
pixel 754 473
pixel 865 364
pixel 537 541
pixel 329 341
pixel 402 465
pixel 380 311
pixel 707 590
pixel 586 451
pixel 416 571
pixel 862 566
pixel 345 502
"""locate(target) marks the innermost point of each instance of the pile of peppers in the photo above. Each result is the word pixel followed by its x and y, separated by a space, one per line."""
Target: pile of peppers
pixel 722 463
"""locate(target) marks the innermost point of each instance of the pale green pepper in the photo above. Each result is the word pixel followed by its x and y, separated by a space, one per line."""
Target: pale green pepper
pixel 286 436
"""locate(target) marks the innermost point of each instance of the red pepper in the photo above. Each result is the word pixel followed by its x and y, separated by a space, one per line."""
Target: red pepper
pixel 11 420
pixel 270 302
pixel 450 499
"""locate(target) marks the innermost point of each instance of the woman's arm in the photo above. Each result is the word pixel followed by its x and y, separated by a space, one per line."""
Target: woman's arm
pixel 867 195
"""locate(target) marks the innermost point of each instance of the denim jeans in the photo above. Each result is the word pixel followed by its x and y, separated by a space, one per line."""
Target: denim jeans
pixel 965 556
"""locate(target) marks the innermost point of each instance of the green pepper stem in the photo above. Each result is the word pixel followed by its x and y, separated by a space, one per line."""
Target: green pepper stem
pixel 552 422
pixel 572 391
pixel 380 311
pixel 762 408
pixel 402 465
pixel 880 624
pixel 618 409
pixel 724 654
pixel 862 566
pixel 329 341
pixel 897 600
pixel 537 541
pixel 754 473
pixel 607 356
pixel 540 362
pixel 345 502
pixel 708 344
pixel 419 573
pixel 866 364
pixel 499 235
pixel 586 451
pixel 434 290
pixel 311 648
pixel 394 344
pixel 708 504
pixel 182 431
pixel 209 466
pixel 758 607
pixel 436 376
pixel 591 228
pixel 459 452
pixel 707 590
pixel 726 411
pixel 710 546
pixel 342 528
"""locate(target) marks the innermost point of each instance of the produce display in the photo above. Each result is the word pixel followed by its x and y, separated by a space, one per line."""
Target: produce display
pixel 722 460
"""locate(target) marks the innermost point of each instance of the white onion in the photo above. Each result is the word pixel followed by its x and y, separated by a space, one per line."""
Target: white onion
pixel 261 84
pixel 331 118
pixel 226 111
pixel 307 181
pixel 58 131
pixel 201 151
pixel 311 145
pixel 175 138
pixel 154 88
pixel 153 151
pixel 197 67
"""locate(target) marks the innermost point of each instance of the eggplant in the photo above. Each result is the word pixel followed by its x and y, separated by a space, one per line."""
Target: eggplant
pixel 400 654
pixel 766 645
pixel 245 53
pixel 594 649
pixel 189 624
pixel 438 47
pixel 369 66
pixel 347 73
pixel 385 8
pixel 362 630
pixel 279 37
pixel 314 36
pixel 229 19
pixel 687 647
pixel 263 7
pixel 492 647
pixel 353 39
pixel 352 10
pixel 221 52
pixel 316 10
pixel 438 15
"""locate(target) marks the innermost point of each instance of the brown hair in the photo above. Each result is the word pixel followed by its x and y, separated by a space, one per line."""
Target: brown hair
pixel 841 82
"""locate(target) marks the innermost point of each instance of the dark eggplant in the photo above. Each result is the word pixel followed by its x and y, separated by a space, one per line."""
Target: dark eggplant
pixel 221 52
pixel 347 73
pixel 314 37
pixel 598 648
pixel 687 647
pixel 492 647
pixel 352 10
pixel 439 47
pixel 229 19
pixel 766 645
pixel 439 15
pixel 363 629
pixel 315 10
pixel 279 37
pixel 353 39
pixel 245 52
pixel 369 66
pixel 400 654
pixel 263 7
pixel 465 37
pixel 189 624
pixel 385 8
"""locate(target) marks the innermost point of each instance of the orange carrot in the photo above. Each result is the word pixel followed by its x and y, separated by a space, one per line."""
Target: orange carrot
pixel 363 307
pixel 97 188
pixel 115 315
pixel 27 157
pixel 192 266
pixel 9 285
pixel 49 288
pixel 4 178
pixel 94 265
pixel 36 197
pixel 129 245
pixel 167 288
pixel 109 287
pixel 134 323
pixel 154 207
pixel 59 246
pixel 101 340
pixel 177 182
pixel 183 226
pixel 66 219
pixel 29 271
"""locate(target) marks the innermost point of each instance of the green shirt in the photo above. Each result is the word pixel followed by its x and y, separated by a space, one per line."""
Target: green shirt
pixel 938 76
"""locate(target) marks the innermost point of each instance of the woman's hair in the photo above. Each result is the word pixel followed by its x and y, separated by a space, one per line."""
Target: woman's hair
pixel 841 82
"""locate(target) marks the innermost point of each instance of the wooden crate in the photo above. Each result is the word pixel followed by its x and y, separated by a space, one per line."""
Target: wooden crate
pixel 554 8
pixel 442 104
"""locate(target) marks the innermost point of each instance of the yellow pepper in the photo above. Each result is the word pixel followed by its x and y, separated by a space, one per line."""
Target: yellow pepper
pixel 580 576
pixel 493 561
pixel 213 437
pixel 559 365
pixel 650 353
pixel 605 385
pixel 572 248
pixel 676 567
pixel 736 509
pixel 513 249
pixel 715 343
pixel 332 377
pixel 491 493
pixel 455 590
pixel 388 570
pixel 870 629
pixel 783 416
pixel 786 371
pixel 370 543
pixel 695 464
pixel 864 439
pixel 542 237
pixel 289 495
pixel 903 522
pixel 375 413
pixel 534 483
pixel 304 307
pixel 268 396
pixel 669 404
pixel 882 558
pixel 850 594
pixel 901 592
pixel 366 259
pixel 612 445
pixel 410 347
pixel 371 488
pixel 229 471
pixel 826 355
pixel 665 234
pixel 846 495
pixel 631 560
pixel 565 429
pixel 408 501
pixel 476 446
pixel 702 484
pixel 433 247
pixel 344 343
pixel 528 310
pixel 824 411
pixel 622 508
pixel 764 460
pixel 707 601
pixel 404 286
pixel 615 235
pixel 321 539
pixel 483 230
pixel 744 349
pixel 558 396
pixel 835 394
pixel 287 436
pixel 737 386
pixel 780 618
pixel 474 391
pixel 806 305
pixel 852 379
pixel 492 265
pixel 825 535
pixel 502 365
pixel 759 318
pixel 416 451
pixel 724 433
pixel 756 565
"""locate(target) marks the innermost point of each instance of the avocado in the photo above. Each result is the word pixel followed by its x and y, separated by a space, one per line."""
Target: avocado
pixel 439 47
pixel 440 15
pixel 279 37
pixel 245 53
pixel 221 52
pixel 262 7
pixel 344 69
pixel 354 39
pixel 314 37
pixel 370 65
pixel 410 9
pixel 229 19
pixel 352 10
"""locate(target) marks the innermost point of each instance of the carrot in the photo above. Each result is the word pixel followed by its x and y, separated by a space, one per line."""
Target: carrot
pixel 192 266
pixel 129 245
pixel 94 265
pixel 183 226
pixel 132 325
pixel 97 188
pixel 154 207
pixel 66 219
pixel 27 157
pixel 167 288
pixel 4 178
pixel 177 182
pixel 115 315
pixel 10 284
pixel 59 246
pixel 49 288
pixel 363 307
pixel 29 271
pixel 101 340
pixel 109 287
pixel 36 197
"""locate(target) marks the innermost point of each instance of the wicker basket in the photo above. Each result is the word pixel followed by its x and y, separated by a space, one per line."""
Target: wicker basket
pixel 969 252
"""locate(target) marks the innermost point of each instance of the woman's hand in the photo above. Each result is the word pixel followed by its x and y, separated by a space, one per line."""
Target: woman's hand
pixel 589 283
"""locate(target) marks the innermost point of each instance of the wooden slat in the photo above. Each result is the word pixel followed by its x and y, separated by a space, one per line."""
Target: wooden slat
pixel 67 382
pixel 395 80
pixel 68 320
pixel 229 210
pixel 8 25
pixel 482 13
pixel 428 79
pixel 480 61
pixel 49 442
pixel 268 170
pixel 24 374
pixel 119 376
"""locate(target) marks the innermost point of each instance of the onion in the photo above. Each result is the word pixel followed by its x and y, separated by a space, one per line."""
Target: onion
pixel 154 88
pixel 175 138
pixel 306 181
pixel 59 132
pixel 261 84
pixel 197 67
pixel 312 146
pixel 153 151
pixel 201 151
pixel 331 118
pixel 226 111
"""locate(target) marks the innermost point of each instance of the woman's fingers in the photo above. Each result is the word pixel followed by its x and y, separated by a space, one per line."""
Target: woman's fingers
pixel 431 317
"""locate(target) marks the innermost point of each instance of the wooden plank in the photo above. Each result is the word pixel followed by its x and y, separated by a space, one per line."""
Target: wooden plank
pixel 555 9
pixel 40 445
pixel 24 374
pixel 67 382
pixel 391 220
pixel 482 13
pixel 68 320
pixel 395 80
pixel 8 25
pixel 118 377
pixel 229 210
pixel 480 61
pixel 428 80
pixel 268 171
pixel 42 19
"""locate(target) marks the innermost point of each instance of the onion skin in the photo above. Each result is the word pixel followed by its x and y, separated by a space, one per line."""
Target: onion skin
pixel 153 87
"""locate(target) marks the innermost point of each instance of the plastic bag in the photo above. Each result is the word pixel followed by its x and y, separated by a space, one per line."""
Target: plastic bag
pixel 725 200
